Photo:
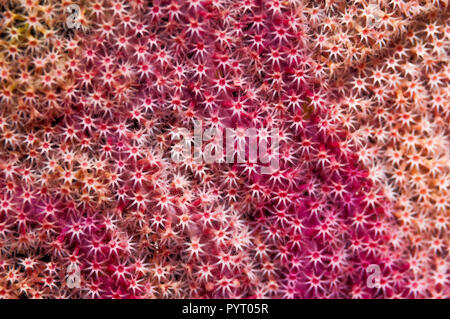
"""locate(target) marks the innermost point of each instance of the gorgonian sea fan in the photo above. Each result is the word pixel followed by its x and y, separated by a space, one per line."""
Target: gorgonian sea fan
pixel 89 122
pixel 390 80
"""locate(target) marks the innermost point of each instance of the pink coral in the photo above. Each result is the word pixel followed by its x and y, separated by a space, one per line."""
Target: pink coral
pixel 89 126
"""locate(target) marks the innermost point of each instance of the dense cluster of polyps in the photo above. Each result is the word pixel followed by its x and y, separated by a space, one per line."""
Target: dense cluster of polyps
pixel 90 118
pixel 389 73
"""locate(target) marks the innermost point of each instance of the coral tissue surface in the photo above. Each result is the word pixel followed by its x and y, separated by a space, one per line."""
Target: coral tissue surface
pixel 351 99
